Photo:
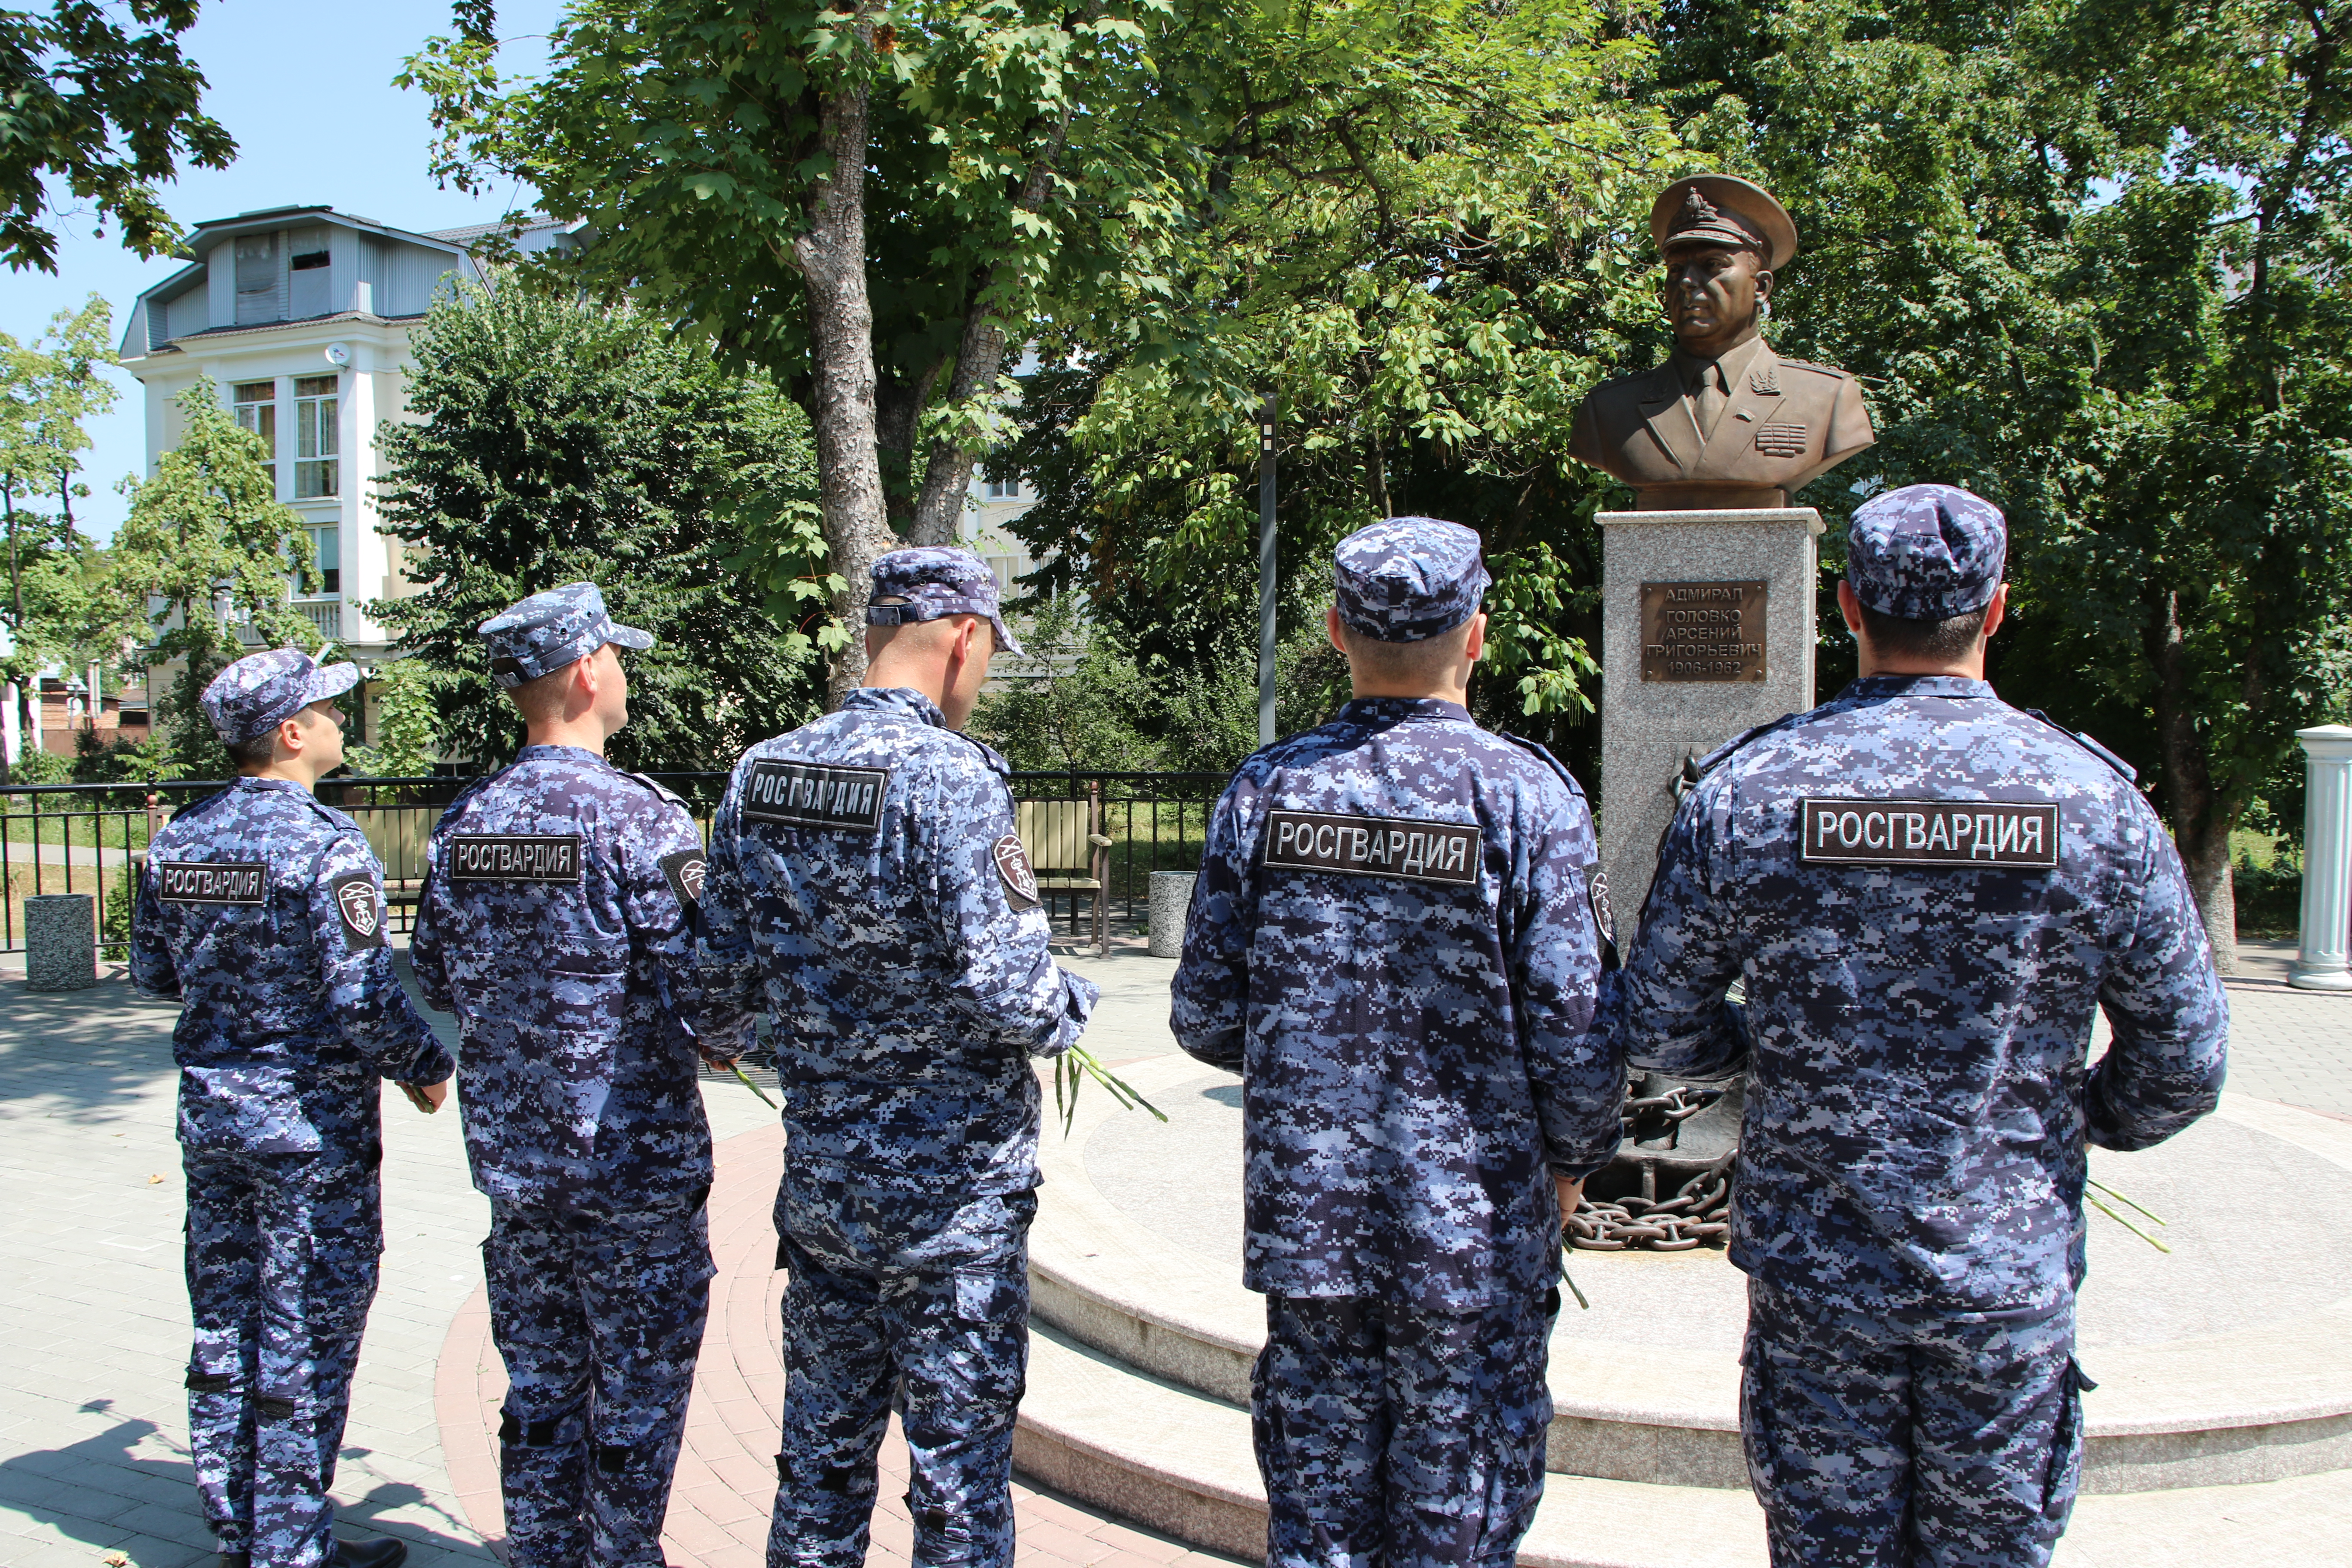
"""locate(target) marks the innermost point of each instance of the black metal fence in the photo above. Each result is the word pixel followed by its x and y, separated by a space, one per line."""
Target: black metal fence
pixel 91 838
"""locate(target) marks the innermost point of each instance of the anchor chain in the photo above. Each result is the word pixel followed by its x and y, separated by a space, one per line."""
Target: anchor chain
pixel 1698 1213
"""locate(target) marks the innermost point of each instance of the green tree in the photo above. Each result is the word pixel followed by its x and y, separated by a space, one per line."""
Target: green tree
pixel 203 570
pixel 107 113
pixel 873 204
pixel 2088 256
pixel 407 726
pixel 555 441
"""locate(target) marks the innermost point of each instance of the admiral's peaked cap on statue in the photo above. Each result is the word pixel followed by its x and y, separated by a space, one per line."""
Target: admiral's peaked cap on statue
pixel 1406 579
pixel 549 630
pixel 937 580
pixel 1926 552
pixel 262 691
pixel 1723 209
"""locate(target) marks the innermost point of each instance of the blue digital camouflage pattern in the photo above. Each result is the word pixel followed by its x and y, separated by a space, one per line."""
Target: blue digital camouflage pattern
pixel 903 955
pixel 262 910
pixel 582 1008
pixel 1413 1048
pixel 1391 1439
pixel 936 581
pixel 1877 1440
pixel 549 630
pixel 1408 578
pixel 290 1009
pixel 262 691
pixel 598 1310
pixel 1926 552
pixel 281 1266
pixel 866 882
pixel 558 922
pixel 918 1305
pixel 1917 1102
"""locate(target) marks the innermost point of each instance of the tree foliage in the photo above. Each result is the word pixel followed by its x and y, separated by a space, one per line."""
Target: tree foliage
pixel 106 111
pixel 555 441
pixel 49 388
pixel 207 558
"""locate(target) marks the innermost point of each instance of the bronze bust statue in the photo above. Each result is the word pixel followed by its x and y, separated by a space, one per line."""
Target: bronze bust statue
pixel 1725 423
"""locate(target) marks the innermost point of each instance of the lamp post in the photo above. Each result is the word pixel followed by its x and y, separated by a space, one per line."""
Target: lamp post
pixel 1265 574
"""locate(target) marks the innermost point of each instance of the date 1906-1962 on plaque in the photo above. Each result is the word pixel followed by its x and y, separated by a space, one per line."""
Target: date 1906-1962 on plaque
pixel 1702 631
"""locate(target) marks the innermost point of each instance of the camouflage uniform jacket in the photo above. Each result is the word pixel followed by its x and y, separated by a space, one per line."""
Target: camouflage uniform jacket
pixel 262 909
pixel 866 884
pixel 1394 941
pixel 557 921
pixel 1921 974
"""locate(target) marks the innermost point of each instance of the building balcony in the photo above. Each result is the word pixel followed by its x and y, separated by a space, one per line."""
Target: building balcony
pixel 324 611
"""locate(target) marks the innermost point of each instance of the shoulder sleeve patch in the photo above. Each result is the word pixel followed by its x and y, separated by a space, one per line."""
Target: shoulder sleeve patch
pixel 683 870
pixel 1011 859
pixel 360 908
pixel 1604 919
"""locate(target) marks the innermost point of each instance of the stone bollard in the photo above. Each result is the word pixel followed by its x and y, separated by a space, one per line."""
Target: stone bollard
pixel 60 943
pixel 2322 963
pixel 1172 901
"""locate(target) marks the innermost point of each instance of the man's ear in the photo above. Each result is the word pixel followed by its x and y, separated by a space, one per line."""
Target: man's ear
pixel 1331 627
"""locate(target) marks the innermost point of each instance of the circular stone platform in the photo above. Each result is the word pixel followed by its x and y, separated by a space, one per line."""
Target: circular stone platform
pixel 2221 1362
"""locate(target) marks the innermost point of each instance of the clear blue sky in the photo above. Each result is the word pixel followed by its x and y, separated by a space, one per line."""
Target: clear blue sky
pixel 307 91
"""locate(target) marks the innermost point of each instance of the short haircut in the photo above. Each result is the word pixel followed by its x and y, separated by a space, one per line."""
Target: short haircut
pixel 541 699
pixel 1933 642
pixel 257 753
pixel 1427 661
pixel 938 628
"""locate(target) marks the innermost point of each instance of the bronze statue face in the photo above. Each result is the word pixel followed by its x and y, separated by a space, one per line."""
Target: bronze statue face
pixel 1712 295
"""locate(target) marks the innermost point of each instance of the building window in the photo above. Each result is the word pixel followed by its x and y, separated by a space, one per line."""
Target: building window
pixel 317 472
pixel 309 259
pixel 257 279
pixel 1001 489
pixel 326 544
pixel 256 403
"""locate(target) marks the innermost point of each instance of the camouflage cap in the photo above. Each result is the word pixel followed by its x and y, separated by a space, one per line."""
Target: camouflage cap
pixel 262 691
pixel 1926 552
pixel 549 630
pixel 1409 578
pixel 935 580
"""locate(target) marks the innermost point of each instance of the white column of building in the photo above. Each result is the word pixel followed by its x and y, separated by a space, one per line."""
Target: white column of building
pixel 362 568
pixel 2323 964
pixel 11 745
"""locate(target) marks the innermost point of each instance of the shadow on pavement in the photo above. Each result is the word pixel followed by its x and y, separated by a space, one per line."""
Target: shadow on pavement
pixel 89 1048
pixel 102 1492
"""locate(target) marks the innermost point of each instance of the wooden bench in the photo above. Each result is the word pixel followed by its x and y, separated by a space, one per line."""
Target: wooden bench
pixel 1069 852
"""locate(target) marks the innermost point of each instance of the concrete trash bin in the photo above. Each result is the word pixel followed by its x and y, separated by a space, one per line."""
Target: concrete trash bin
pixel 60 943
pixel 1172 901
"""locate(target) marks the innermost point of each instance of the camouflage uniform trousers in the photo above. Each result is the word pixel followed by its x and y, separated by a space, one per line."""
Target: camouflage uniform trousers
pixel 281 1261
pixel 909 1303
pixel 1878 1442
pixel 598 1311
pixel 1389 1436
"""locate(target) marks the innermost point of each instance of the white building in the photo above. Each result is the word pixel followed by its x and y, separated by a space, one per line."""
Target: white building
pixel 301 318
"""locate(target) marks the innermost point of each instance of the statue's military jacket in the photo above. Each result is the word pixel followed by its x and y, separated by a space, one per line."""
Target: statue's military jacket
pixel 1926 893
pixel 557 921
pixel 1395 941
pixel 262 910
pixel 867 886
pixel 1786 421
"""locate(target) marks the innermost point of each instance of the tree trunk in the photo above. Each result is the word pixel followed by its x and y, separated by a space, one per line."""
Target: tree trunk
pixel 831 258
pixel 2200 821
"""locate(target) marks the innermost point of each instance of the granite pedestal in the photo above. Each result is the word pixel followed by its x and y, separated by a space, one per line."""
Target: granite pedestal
pixel 60 943
pixel 1650 726
pixel 1172 901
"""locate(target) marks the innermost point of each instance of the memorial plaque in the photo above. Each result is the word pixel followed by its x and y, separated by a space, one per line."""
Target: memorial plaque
pixel 1702 631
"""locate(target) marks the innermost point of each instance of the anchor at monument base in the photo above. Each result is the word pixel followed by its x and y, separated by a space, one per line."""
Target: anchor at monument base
pixel 1669 1187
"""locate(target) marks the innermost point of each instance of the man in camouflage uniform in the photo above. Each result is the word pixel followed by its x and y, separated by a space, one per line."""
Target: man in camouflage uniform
pixel 1928 894
pixel 262 910
pixel 557 923
pixel 1396 940
pixel 866 884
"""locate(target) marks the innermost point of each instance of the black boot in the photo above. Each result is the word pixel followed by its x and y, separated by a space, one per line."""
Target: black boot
pixel 385 1554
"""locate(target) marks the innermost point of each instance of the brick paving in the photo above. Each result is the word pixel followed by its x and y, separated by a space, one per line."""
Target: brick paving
pixel 93 1455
